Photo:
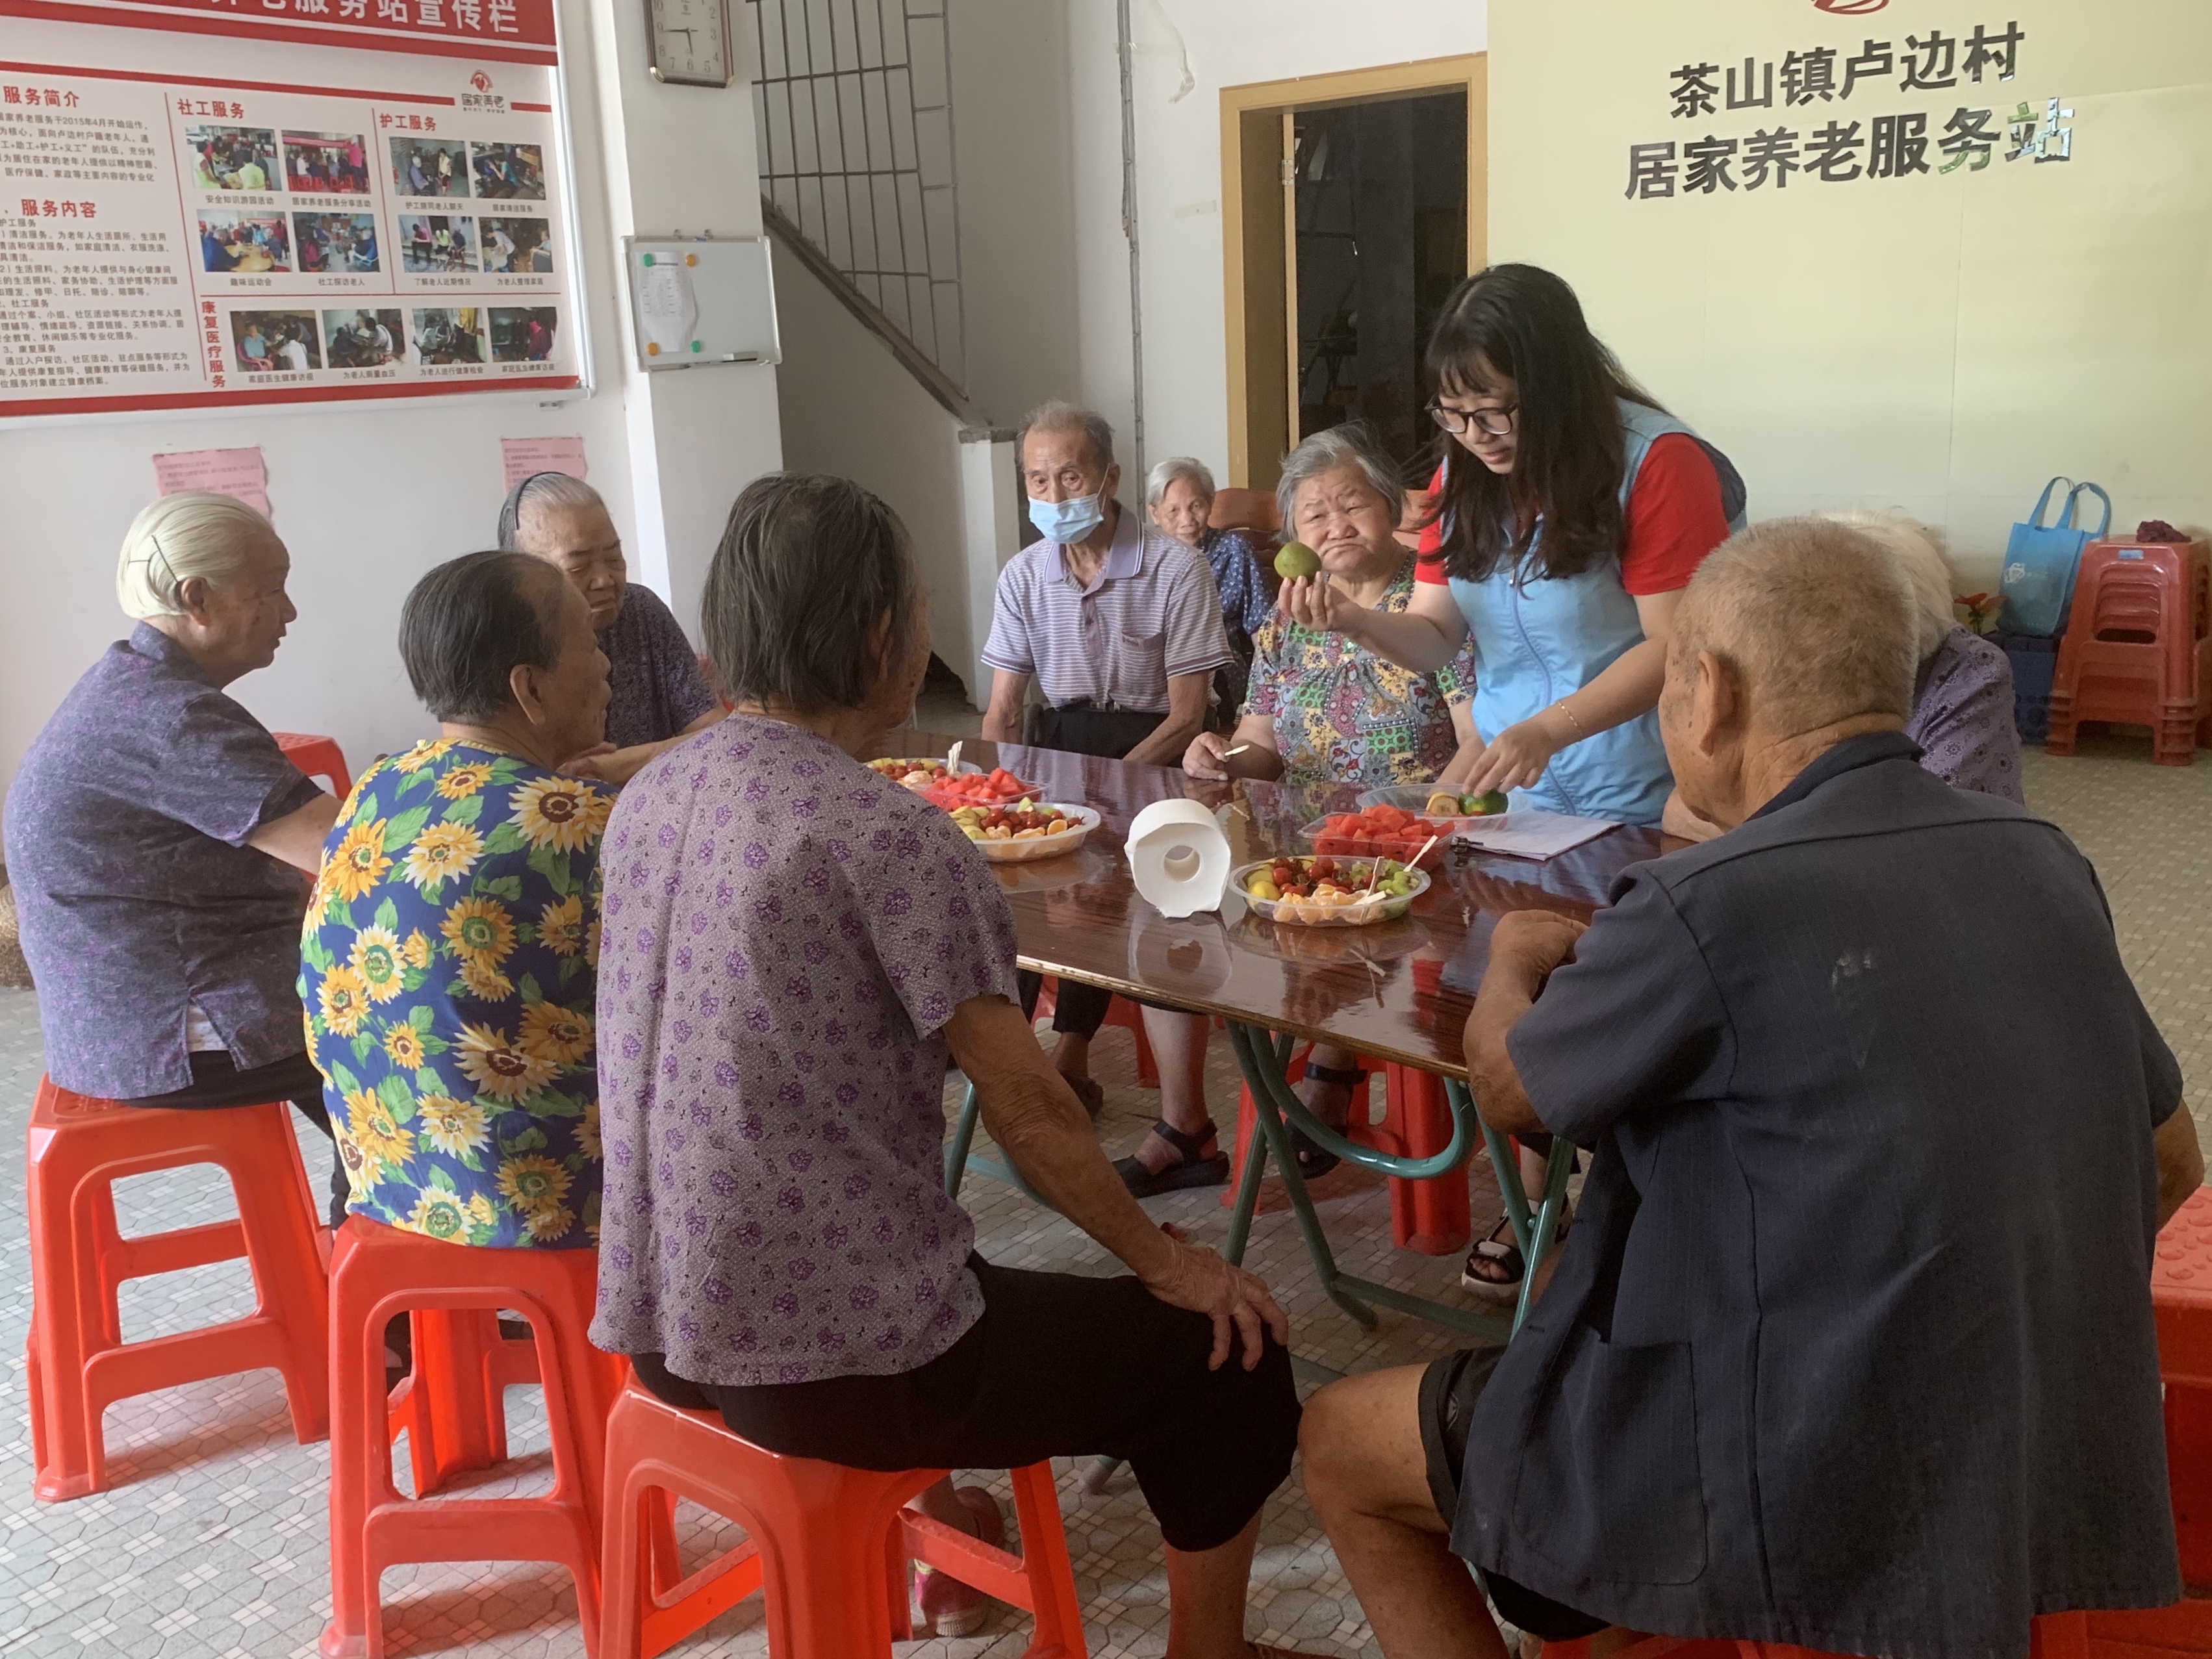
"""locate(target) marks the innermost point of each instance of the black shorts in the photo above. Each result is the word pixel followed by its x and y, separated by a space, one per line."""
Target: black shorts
pixel 1059 1365
pixel 1449 1387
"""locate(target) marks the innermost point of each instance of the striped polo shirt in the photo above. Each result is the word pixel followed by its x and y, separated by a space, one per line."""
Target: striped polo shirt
pixel 1152 613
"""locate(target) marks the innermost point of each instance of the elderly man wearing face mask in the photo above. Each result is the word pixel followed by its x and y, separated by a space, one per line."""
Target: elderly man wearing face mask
pixel 661 695
pixel 1119 624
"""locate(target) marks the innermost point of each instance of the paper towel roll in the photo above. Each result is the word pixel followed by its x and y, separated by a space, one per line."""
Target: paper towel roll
pixel 1178 857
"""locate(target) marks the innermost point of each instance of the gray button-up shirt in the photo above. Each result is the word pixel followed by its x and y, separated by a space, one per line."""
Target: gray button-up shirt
pixel 137 893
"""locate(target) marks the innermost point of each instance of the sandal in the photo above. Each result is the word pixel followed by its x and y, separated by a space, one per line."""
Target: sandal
pixel 1505 1255
pixel 1313 1162
pixel 1189 1170
pixel 1088 1090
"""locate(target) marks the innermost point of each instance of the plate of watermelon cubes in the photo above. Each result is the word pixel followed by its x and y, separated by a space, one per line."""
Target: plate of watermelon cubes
pixel 996 788
pixel 1382 832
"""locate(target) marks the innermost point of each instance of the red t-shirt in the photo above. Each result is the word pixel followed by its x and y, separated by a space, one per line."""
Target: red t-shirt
pixel 1674 519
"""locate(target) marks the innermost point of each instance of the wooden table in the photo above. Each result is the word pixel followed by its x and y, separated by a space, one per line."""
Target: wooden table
pixel 1397 991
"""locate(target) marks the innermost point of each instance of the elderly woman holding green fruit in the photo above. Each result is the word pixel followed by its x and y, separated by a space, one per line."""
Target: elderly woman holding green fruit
pixel 1320 709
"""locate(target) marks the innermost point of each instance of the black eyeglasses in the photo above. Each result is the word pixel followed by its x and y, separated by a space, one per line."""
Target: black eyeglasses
pixel 1495 421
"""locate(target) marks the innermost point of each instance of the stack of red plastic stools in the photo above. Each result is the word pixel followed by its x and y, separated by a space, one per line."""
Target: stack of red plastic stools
pixel 2135 649
pixel 1122 1012
pixel 828 1544
pixel 1432 1216
pixel 450 1409
pixel 76 1359
pixel 318 758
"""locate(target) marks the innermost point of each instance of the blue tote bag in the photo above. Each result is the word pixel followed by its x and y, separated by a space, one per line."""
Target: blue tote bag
pixel 2040 561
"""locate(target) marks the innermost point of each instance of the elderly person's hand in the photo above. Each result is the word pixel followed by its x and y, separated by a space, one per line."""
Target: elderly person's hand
pixel 1531 944
pixel 1190 1276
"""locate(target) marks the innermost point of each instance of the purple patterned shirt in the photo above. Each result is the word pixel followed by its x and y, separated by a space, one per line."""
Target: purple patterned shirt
pixel 1962 717
pixel 786 935
pixel 658 685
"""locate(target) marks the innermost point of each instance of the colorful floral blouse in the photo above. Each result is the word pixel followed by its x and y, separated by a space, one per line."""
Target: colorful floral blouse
pixel 1345 715
pixel 449 970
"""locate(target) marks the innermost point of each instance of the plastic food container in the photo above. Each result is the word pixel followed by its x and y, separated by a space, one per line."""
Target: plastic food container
pixel 1344 847
pixel 1084 818
pixel 1414 798
pixel 917 761
pixel 1306 913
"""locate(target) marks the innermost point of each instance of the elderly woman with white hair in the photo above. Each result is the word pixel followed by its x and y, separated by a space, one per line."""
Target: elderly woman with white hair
pixel 149 831
pixel 661 695
pixel 1179 496
pixel 1320 709
pixel 1962 697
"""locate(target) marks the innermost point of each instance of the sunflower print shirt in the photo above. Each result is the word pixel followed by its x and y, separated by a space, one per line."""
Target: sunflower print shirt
pixel 447 971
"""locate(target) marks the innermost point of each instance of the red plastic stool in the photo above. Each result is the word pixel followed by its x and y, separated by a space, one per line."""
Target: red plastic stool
pixel 829 1545
pixel 450 1411
pixel 2134 648
pixel 2181 1301
pixel 1122 1012
pixel 1431 1217
pixel 76 1359
pixel 318 758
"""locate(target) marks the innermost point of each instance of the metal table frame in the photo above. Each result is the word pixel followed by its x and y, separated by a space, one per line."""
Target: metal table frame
pixel 1264 1057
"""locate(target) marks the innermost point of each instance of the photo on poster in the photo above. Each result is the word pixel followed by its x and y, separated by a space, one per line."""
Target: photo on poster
pixel 244 244
pixel 502 171
pixel 337 244
pixel 233 158
pixel 272 341
pixel 437 244
pixel 430 166
pixel 364 339
pixel 326 163
pixel 514 246
pixel 523 334
pixel 444 335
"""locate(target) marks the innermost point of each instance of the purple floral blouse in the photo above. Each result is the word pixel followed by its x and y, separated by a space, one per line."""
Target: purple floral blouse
pixel 1962 717
pixel 785 934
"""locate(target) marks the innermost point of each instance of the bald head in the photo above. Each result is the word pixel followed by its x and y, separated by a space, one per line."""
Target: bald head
pixel 1796 633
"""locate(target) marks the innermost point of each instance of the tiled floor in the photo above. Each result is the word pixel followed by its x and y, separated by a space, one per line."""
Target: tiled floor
pixel 212 1541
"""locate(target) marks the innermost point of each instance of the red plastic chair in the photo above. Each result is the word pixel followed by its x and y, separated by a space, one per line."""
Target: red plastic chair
pixel 450 1411
pixel 318 758
pixel 2134 649
pixel 1432 1217
pixel 829 1545
pixel 1122 1012
pixel 76 1359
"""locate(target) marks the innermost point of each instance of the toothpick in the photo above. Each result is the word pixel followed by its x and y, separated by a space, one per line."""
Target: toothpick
pixel 1238 750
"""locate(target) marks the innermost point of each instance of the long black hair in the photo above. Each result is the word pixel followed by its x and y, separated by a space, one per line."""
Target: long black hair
pixel 1522 323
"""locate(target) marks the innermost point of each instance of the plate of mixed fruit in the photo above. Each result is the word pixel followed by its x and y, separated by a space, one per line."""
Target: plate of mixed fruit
pixel 918 774
pixel 1322 891
pixel 1027 829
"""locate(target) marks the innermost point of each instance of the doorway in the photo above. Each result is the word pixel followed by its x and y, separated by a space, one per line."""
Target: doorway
pixel 1352 204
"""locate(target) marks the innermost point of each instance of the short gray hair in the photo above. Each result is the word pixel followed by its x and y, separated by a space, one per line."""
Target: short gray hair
pixel 1334 446
pixel 1815 616
pixel 544 492
pixel 1055 414
pixel 194 532
pixel 1907 540
pixel 1162 479
pixel 808 567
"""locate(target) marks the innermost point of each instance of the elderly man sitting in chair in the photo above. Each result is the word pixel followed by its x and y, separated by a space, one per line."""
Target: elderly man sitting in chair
pixel 1852 1346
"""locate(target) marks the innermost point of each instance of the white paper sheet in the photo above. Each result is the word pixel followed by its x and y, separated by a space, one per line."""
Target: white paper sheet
pixel 1533 834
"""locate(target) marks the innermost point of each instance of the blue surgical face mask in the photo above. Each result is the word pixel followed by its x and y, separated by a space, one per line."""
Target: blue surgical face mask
pixel 1070 520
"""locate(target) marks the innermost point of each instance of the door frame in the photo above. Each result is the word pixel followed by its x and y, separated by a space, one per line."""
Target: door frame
pixel 1255 232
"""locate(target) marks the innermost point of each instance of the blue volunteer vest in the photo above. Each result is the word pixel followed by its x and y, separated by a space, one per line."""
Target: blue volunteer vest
pixel 1538 641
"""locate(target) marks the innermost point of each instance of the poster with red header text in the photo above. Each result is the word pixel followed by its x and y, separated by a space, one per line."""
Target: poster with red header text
pixel 236 203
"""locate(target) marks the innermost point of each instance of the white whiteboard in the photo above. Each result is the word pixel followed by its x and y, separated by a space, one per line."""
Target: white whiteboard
pixel 703 301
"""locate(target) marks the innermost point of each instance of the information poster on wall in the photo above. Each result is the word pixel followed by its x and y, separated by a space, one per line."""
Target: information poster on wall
pixel 252 202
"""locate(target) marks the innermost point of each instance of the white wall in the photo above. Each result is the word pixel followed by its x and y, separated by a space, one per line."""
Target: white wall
pixel 369 497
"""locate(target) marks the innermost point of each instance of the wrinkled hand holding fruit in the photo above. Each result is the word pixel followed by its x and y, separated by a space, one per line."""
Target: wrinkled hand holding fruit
pixel 1325 880
pixel 1026 822
pixel 1296 559
pixel 1445 803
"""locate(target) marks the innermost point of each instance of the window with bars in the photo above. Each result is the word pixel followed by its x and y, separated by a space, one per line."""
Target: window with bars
pixel 853 108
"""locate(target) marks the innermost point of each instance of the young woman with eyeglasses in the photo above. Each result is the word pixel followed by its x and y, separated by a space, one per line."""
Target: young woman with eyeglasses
pixel 1561 532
